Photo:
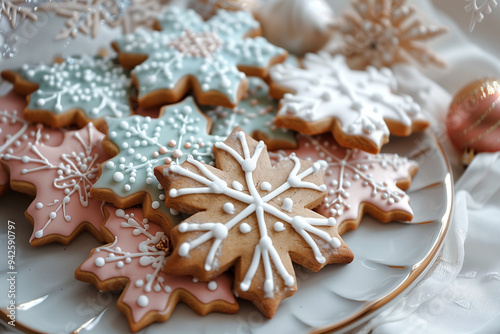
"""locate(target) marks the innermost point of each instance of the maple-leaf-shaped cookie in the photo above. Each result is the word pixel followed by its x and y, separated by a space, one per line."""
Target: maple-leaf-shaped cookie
pixel 16 133
pixel 76 90
pixel 139 144
pixel 360 108
pixel 255 115
pixel 60 179
pixel 210 58
pixel 134 262
pixel 358 182
pixel 252 216
pixel 383 33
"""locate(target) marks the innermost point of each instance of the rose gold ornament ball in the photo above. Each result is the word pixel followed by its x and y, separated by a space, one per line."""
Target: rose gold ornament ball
pixel 473 121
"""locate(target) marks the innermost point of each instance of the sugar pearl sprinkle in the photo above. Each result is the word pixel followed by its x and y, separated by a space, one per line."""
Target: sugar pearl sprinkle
pixel 210 51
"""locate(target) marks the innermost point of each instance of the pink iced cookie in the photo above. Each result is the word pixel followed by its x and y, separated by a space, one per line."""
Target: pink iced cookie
pixel 60 179
pixel 358 182
pixel 16 133
pixel 134 262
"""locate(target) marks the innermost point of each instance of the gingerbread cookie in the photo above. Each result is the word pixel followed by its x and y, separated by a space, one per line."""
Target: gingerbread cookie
pixel 358 182
pixel 134 262
pixel 60 178
pixel 255 114
pixel 360 108
pixel 77 90
pixel 16 133
pixel 209 58
pixel 139 144
pixel 252 216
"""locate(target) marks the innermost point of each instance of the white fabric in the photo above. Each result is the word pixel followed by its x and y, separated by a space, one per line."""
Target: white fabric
pixel 461 292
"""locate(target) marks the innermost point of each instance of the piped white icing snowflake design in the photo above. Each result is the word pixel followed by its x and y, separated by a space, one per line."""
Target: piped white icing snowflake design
pixel 137 255
pixel 354 178
pixel 326 90
pixel 259 208
pixel 209 51
pixel 98 87
pixel 478 10
pixel 255 115
pixel 145 143
pixel 62 176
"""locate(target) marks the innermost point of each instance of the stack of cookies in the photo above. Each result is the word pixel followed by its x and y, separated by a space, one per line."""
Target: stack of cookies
pixel 207 159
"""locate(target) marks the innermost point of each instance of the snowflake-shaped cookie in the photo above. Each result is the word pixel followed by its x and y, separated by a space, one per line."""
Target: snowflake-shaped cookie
pixel 211 58
pixel 142 143
pixel 360 108
pixel 134 262
pixel 16 133
pixel 75 91
pixel 86 16
pixel 255 114
pixel 383 33
pixel 253 216
pixel 60 177
pixel 358 182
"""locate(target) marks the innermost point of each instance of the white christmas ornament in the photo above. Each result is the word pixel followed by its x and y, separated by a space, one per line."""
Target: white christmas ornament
pixel 300 26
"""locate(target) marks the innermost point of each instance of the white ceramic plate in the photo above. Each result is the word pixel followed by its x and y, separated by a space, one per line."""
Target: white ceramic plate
pixel 388 259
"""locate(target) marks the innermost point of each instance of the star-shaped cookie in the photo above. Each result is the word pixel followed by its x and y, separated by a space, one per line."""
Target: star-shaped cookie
pixel 138 144
pixel 16 132
pixel 358 182
pixel 252 216
pixel 77 90
pixel 211 59
pixel 134 261
pixel 360 108
pixel 60 178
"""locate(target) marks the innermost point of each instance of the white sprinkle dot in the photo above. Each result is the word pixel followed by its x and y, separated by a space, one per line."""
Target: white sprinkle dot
pixel 265 186
pixel 142 301
pixel 118 176
pixel 245 228
pixel 100 262
pixel 228 208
